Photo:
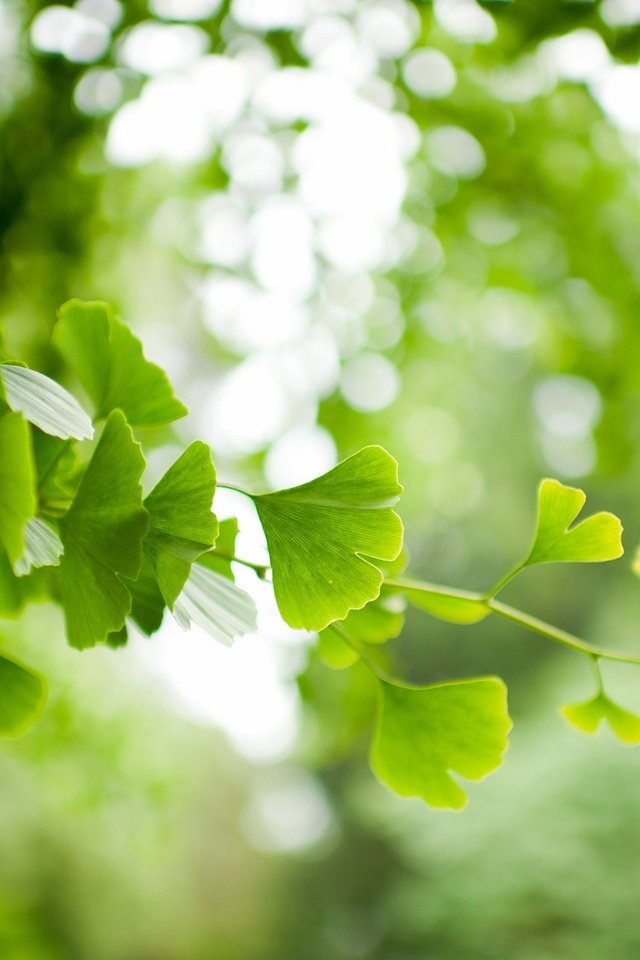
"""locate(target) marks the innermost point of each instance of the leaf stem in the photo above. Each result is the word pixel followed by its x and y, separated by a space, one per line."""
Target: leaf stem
pixel 524 619
pixel 504 580
pixel 230 486
pixel 557 635
pixel 598 675
pixel 259 568
pixel 374 667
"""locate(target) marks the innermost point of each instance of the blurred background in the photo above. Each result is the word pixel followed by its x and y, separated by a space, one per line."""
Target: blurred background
pixel 335 222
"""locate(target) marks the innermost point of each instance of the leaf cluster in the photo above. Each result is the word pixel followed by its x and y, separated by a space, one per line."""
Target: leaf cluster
pixel 76 530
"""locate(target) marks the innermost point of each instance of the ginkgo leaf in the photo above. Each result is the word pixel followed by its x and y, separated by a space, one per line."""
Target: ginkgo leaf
pixel 379 621
pixel 17 483
pixel 147 603
pixel 42 547
pixel 109 363
pixel 334 650
pixel 320 535
pixel 219 558
pixel 181 524
pixel 588 716
pixel 454 606
pixel 594 539
pixel 102 534
pixel 23 695
pixel 44 403
pixel 215 604
pixel 424 734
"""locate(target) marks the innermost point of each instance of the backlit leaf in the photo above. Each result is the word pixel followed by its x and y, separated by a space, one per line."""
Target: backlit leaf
pixel 181 524
pixel 42 547
pixel 44 403
pixel 215 604
pixel 588 716
pixel 424 734
pixel 17 483
pixel 102 534
pixel 109 363
pixel 321 533
pixel 23 694
pixel 594 539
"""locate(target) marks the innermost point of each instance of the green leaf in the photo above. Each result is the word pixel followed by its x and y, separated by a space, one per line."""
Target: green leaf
pixel 147 603
pixel 320 535
pixel 16 592
pixel 426 733
pixel 42 547
pixel 335 652
pixel 181 524
pixel 218 558
pixel 587 717
pixel 102 535
pixel 17 483
pixel 379 621
pixel 454 606
pixel 594 539
pixel 216 605
pixel 23 695
pixel 109 363
pixel 44 403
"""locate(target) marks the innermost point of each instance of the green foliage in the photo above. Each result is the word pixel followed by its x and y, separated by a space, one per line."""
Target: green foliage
pixel 109 363
pixel 425 733
pixel 44 403
pixel 22 697
pixel 321 534
pixel 597 538
pixel 588 716
pixel 42 547
pixel 76 530
pixel 181 524
pixel 454 606
pixel 17 483
pixel 102 534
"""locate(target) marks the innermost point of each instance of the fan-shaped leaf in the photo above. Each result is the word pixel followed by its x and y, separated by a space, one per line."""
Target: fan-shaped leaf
pixel 181 524
pixel 102 534
pixel 588 716
pixel 109 363
pixel 320 535
pixel 424 734
pixel 42 547
pixel 216 605
pixel 379 621
pixel 594 539
pixel 44 403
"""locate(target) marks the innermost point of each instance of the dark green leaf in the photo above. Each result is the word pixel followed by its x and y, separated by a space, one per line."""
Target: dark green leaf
pixel 102 534
pixel 23 695
pixel 17 483
pixel 181 524
pixel 109 363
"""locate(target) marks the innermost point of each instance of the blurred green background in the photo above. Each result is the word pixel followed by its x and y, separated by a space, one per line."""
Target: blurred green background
pixel 336 222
